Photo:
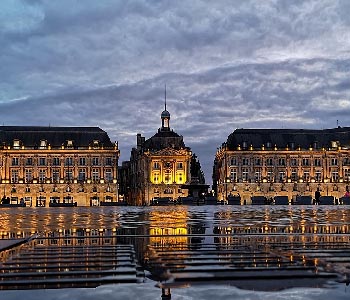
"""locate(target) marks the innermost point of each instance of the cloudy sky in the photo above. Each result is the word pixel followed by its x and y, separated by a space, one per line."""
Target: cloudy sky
pixel 227 65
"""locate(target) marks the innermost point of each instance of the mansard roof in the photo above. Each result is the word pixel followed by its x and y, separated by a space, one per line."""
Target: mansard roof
pixel 164 139
pixel 281 138
pixel 30 136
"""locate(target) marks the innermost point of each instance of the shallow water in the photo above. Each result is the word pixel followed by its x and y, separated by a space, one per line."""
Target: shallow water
pixel 191 238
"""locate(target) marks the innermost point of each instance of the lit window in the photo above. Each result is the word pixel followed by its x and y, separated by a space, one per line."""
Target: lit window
pixel 14 176
pixel 55 175
pixel 42 175
pixel 245 174
pixel 95 174
pixel 28 175
pixel 335 176
pixel 233 175
pixel 69 144
pixel 16 144
pixel 43 144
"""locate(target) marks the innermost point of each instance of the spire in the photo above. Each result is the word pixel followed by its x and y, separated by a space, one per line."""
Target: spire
pixel 165 98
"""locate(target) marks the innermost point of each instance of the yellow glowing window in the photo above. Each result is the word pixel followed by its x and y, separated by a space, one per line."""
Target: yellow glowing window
pixel 156 178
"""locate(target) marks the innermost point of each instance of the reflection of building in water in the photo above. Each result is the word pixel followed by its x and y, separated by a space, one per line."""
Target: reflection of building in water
pixel 169 228
pixel 158 166
pixel 58 165
pixel 283 162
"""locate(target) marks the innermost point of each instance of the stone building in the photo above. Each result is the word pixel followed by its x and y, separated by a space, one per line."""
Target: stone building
pixel 58 165
pixel 158 166
pixel 283 162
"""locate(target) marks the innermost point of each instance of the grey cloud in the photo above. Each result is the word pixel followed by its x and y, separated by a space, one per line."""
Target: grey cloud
pixel 227 64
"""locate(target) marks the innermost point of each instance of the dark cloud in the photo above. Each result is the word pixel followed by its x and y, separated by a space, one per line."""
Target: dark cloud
pixel 227 64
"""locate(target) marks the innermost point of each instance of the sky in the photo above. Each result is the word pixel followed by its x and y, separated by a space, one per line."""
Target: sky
pixel 227 64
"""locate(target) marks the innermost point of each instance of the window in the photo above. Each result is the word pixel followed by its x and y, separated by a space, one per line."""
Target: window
pixel 109 161
pixel 180 178
pixel 82 175
pixel 42 161
pixel 294 175
pixel 69 175
pixel 293 162
pixel 14 176
pixel 334 162
pixel 233 175
pixel 167 177
pixel 69 144
pixel 257 161
pixel 317 162
pixel 347 174
pixel 270 176
pixel 69 161
pixel 306 176
pixel 269 162
pixel 108 175
pixel 16 144
pixel 257 176
pixel 55 175
pixel 95 175
pixel 335 176
pixel 42 175
pixel 82 161
pixel 233 161
pixel 318 176
pixel 346 161
pixel 29 161
pixel 28 175
pixel 245 161
pixel 15 161
pixel 43 144
pixel 306 161
pixel 156 165
pixel 95 161
pixel 281 162
pixel 179 166
pixel 282 176
pixel 245 174
pixel 156 178
pixel 56 161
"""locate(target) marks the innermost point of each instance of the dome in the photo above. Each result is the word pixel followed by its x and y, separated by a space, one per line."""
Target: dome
pixel 165 114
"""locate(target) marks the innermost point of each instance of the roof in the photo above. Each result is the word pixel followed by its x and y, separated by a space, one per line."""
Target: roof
pixel 31 136
pixel 303 138
pixel 164 139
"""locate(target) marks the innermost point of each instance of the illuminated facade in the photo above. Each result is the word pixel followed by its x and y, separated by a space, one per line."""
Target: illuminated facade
pixel 283 162
pixel 158 166
pixel 58 166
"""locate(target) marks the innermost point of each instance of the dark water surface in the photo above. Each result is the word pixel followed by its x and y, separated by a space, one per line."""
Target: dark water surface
pixel 250 252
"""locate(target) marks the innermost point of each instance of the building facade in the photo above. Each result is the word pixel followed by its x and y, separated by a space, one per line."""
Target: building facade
pixel 283 162
pixel 158 166
pixel 45 165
